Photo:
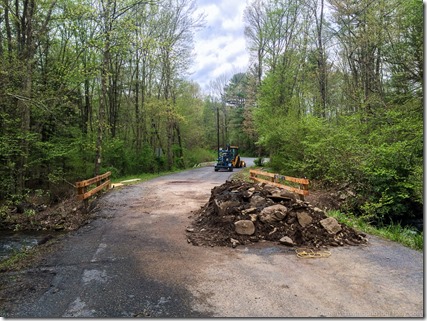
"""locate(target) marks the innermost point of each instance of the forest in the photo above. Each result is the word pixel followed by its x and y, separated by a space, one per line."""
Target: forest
pixel 334 93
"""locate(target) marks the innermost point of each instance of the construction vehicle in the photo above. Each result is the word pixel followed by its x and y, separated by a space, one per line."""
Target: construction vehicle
pixel 229 158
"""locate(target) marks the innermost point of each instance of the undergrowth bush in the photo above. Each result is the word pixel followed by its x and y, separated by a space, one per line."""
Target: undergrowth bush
pixel 198 155
pixel 381 159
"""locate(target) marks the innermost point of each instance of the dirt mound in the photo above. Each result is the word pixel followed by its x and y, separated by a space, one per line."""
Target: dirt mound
pixel 68 214
pixel 239 212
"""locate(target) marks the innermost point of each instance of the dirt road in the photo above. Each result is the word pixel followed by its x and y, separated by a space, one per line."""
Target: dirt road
pixel 134 261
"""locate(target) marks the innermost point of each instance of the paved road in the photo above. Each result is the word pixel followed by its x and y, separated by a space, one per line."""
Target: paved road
pixel 134 261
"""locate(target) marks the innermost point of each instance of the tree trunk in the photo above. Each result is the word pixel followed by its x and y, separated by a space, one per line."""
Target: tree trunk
pixel 321 62
pixel 104 85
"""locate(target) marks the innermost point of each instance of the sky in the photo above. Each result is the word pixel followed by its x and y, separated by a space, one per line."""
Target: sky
pixel 220 47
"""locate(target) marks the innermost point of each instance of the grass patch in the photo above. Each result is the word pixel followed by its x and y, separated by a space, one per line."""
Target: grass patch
pixel 394 232
pixel 14 262
pixel 243 174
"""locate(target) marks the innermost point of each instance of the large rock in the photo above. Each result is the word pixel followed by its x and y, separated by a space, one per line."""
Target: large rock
pixel 304 219
pixel 244 227
pixel 274 213
pixel 257 201
pixel 331 225
pixel 223 208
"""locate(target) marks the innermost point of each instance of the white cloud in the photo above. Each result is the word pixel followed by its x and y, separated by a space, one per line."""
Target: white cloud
pixel 220 48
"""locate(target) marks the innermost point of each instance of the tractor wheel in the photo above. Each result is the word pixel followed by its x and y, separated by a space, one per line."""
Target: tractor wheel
pixel 230 169
pixel 216 169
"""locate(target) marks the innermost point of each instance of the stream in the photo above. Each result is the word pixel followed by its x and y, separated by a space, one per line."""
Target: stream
pixel 12 242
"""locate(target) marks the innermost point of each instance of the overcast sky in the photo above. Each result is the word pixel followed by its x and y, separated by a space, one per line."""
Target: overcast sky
pixel 220 47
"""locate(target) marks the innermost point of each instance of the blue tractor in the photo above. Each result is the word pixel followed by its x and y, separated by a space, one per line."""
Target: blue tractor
pixel 229 158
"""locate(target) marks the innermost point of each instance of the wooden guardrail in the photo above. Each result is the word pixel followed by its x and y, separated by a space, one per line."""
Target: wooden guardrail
pixel 274 179
pixel 101 181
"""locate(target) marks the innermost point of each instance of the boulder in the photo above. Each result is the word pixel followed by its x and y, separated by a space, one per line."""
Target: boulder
pixel 304 219
pixel 274 213
pixel 257 201
pixel 285 193
pixel 244 227
pixel 331 225
pixel 223 208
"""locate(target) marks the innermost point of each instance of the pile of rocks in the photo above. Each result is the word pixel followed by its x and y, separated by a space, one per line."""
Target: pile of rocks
pixel 239 212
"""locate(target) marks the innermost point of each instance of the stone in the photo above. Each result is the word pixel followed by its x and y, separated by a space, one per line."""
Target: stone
pixel 274 213
pixel 222 208
pixel 244 227
pixel 285 193
pixel 254 217
pixel 248 193
pixel 286 240
pixel 331 225
pixel 189 229
pixel 257 201
pixel 234 242
pixel 304 219
pixel 249 210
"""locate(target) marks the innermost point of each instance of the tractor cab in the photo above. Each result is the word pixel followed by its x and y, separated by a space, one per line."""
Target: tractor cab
pixel 224 160
pixel 229 158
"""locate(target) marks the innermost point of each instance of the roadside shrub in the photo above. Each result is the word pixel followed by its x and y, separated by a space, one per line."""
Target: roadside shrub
pixel 198 155
pixel 259 161
pixel 381 158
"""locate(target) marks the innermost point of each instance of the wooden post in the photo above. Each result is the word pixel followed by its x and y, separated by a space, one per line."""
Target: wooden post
pixel 84 195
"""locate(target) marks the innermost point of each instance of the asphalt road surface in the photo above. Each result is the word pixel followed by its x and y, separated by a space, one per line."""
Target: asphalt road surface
pixel 134 261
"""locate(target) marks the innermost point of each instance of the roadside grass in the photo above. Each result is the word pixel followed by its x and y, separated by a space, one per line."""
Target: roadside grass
pixel 394 232
pixel 14 262
pixel 243 174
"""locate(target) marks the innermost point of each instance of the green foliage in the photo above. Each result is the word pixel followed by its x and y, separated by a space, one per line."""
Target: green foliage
pixel 259 161
pixel 331 151
pixel 392 168
pixel 394 232
pixel 381 158
pixel 199 155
